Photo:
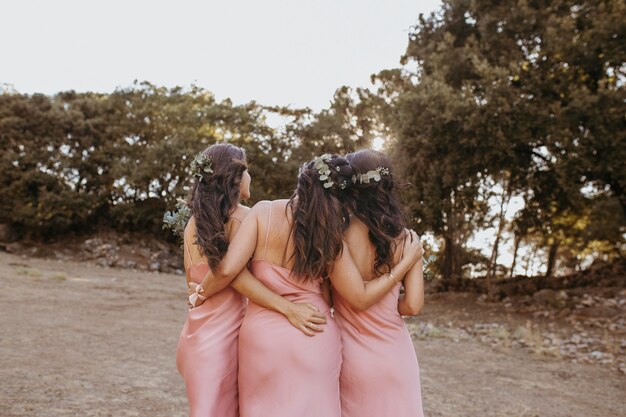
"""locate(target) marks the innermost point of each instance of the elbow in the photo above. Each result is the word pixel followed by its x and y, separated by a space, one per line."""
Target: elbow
pixel 413 309
pixel 226 272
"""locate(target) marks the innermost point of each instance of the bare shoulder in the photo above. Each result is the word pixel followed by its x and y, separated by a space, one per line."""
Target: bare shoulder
pixel 240 213
pixel 356 231
pixel 261 206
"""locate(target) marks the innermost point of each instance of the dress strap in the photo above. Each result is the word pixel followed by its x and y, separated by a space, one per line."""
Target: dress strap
pixel 188 254
pixel 291 232
pixel 267 231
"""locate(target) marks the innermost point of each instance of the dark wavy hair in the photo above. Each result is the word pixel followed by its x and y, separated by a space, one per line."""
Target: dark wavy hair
pixel 214 197
pixel 377 206
pixel 319 217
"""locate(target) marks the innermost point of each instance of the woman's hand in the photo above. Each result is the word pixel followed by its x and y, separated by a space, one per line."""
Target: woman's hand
pixel 306 317
pixel 413 250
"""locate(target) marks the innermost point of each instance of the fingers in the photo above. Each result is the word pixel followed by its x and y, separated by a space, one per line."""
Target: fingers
pixel 306 330
pixel 316 328
pixel 413 246
pixel 313 327
pixel 318 320
pixel 307 318
pixel 317 314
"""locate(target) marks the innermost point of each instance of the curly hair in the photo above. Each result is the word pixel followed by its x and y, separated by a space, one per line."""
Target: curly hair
pixel 377 206
pixel 214 196
pixel 319 217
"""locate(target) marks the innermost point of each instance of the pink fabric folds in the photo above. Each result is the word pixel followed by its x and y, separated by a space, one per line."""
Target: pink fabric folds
pixel 282 372
pixel 206 356
pixel 380 373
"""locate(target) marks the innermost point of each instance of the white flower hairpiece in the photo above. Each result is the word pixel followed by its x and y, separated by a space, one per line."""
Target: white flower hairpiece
pixel 374 175
pixel 201 164
pixel 324 170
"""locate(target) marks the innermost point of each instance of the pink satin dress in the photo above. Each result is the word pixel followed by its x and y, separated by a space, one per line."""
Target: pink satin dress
pixel 380 375
pixel 283 372
pixel 206 356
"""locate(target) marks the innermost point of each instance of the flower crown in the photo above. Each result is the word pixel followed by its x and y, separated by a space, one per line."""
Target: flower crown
pixel 321 164
pixel 375 175
pixel 201 164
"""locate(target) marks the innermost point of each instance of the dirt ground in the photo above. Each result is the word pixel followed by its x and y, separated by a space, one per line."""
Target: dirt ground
pixel 77 339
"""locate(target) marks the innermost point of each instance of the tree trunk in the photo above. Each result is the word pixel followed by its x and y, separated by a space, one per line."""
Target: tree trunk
pixel 552 258
pixel 493 262
pixel 494 252
pixel 515 249
pixel 447 266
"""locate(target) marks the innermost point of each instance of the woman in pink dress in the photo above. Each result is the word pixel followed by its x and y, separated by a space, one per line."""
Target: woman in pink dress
pixel 294 244
pixel 380 374
pixel 207 349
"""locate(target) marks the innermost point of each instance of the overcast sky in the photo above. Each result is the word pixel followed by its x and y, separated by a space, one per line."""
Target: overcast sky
pixel 276 52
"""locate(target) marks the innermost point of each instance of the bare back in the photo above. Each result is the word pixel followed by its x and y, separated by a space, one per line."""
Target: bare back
pixel 274 241
pixel 362 250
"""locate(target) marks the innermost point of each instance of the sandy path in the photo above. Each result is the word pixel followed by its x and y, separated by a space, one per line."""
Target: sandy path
pixel 81 340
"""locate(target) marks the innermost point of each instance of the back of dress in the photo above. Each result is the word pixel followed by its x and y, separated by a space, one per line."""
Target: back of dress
pixel 206 355
pixel 283 372
pixel 380 372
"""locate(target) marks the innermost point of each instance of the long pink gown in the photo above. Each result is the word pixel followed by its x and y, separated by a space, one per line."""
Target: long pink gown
pixel 206 356
pixel 380 374
pixel 283 372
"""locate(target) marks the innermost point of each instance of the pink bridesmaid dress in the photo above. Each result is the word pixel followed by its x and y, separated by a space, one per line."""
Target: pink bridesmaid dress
pixel 206 356
pixel 380 374
pixel 283 372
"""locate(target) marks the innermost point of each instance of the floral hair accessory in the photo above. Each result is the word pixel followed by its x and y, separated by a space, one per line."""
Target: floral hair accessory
pixel 375 175
pixel 324 170
pixel 176 220
pixel 201 164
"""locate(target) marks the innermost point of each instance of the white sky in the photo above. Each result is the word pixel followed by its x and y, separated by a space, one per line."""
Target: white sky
pixel 275 52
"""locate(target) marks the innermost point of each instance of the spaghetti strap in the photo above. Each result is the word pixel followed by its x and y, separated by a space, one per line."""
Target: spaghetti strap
pixel 187 253
pixel 287 248
pixel 267 231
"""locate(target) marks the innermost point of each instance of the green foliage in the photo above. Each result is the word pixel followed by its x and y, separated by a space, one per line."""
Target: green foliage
pixel 525 95
pixel 176 221
pixel 77 160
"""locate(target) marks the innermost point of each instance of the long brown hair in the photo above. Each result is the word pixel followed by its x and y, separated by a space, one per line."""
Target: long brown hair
pixel 214 196
pixel 319 217
pixel 377 206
